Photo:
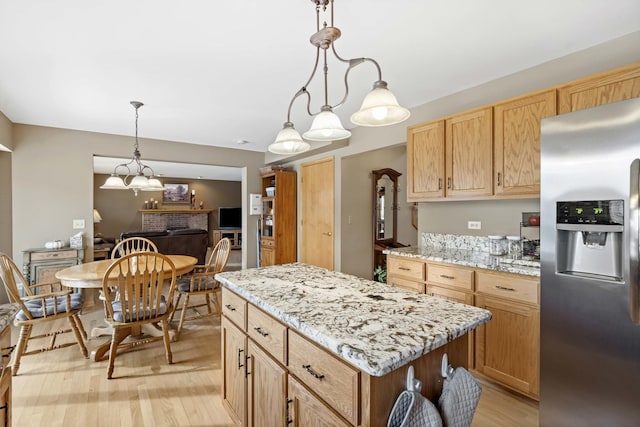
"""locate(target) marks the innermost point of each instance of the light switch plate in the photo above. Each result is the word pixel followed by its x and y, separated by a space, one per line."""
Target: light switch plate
pixel 78 223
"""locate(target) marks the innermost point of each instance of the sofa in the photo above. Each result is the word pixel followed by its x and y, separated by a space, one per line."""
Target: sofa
pixel 184 241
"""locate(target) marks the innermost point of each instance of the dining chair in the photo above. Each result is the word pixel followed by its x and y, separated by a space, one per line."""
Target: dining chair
pixel 201 281
pixel 41 304
pixel 133 244
pixel 138 289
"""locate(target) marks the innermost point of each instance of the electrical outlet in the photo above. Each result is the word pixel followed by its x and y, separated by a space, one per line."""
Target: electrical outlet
pixel 78 223
pixel 474 225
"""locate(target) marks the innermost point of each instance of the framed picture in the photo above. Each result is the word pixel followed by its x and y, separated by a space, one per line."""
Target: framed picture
pixel 176 193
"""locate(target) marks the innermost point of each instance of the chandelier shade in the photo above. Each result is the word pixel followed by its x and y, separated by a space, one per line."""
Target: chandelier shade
pixel 379 108
pixel 326 126
pixel 288 141
pixel 134 178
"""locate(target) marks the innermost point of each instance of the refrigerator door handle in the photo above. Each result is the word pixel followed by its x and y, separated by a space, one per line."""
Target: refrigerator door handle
pixel 634 242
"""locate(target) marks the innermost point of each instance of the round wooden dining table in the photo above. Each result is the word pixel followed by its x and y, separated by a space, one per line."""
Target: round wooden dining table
pixel 89 276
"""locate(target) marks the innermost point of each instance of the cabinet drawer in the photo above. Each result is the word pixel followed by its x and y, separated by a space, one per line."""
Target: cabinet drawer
pixel 406 284
pixel 405 267
pixel 43 256
pixel 333 380
pixel 268 333
pixel 451 294
pixel 235 308
pixel 508 286
pixel 450 276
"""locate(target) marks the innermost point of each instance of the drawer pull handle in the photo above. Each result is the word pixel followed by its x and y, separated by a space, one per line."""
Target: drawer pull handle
pixel 504 288
pixel 261 332
pixel 404 269
pixel 240 351
pixel 499 179
pixel 449 183
pixel 310 370
pixel 246 371
pixel 444 276
pixel 439 183
pixel 230 307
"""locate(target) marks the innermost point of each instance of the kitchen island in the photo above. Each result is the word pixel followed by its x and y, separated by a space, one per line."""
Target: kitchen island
pixel 338 346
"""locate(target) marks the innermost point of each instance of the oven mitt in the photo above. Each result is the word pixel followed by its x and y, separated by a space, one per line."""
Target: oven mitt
pixel 414 410
pixel 459 398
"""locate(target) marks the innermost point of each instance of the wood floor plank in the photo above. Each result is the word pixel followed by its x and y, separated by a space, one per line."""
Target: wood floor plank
pixel 61 388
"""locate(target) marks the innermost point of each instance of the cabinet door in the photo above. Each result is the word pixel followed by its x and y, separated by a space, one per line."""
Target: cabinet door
pixel 601 89
pixel 234 382
pixel 425 161
pixel 468 158
pixel 267 389
pixel 517 143
pixel 507 347
pixel 267 255
pixel 305 410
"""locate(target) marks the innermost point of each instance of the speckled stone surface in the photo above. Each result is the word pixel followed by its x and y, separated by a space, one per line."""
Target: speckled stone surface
pixel 7 313
pixel 370 325
pixel 468 251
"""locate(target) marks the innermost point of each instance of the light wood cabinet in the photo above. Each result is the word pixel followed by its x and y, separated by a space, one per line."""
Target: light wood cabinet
pixel 425 161
pixel 508 347
pixel 516 143
pixel 278 226
pixel 234 381
pixel 235 236
pixel 40 264
pixel 306 410
pixel 406 273
pixel 600 89
pixel 469 156
pixel 267 389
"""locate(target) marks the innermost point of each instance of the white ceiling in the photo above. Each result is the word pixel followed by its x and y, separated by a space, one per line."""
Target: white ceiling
pixel 216 72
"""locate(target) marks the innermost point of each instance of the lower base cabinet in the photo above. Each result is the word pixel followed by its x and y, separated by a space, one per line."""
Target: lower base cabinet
pixel 234 383
pixel 267 388
pixel 305 410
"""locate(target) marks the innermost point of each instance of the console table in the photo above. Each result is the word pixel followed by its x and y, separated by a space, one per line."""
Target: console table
pixel 234 235
pixel 41 264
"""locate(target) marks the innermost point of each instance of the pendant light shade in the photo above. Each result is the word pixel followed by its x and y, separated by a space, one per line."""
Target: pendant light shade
pixel 288 141
pixel 326 126
pixel 114 182
pixel 380 108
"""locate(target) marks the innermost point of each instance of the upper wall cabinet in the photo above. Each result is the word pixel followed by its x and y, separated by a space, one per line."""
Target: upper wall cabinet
pixel 516 142
pixel 604 88
pixel 425 161
pixel 468 158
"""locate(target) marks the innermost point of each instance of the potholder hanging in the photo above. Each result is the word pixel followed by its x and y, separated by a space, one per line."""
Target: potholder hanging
pixel 459 398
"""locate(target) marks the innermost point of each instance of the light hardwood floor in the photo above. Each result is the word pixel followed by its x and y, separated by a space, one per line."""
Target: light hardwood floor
pixel 61 388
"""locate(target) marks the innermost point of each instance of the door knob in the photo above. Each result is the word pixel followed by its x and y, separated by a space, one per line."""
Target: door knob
pixel 328 234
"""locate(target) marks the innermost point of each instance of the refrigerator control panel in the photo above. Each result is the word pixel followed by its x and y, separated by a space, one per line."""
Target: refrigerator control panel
pixel 602 212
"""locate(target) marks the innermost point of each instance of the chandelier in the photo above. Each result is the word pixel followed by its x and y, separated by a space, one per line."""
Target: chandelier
pixel 135 178
pixel 379 107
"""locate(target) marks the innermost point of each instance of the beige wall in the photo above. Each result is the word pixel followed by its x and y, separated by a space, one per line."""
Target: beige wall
pixel 612 54
pixel 120 210
pixel 357 207
pixel 52 172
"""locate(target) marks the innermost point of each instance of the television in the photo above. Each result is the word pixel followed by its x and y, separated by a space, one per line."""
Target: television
pixel 229 218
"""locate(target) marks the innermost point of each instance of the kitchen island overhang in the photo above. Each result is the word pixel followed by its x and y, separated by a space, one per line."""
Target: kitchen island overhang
pixel 377 329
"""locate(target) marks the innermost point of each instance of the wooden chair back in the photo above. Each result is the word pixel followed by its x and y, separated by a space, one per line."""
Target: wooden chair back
pixel 137 283
pixel 133 244
pixel 219 256
pixel 10 275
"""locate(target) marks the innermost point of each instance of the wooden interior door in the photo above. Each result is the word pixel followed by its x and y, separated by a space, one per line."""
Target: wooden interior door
pixel 317 213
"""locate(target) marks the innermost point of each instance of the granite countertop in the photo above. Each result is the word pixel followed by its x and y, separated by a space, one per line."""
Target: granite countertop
pixel 373 327
pixel 7 313
pixel 469 258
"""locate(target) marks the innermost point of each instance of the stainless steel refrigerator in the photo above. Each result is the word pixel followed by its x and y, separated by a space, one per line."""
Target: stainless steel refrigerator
pixel 590 315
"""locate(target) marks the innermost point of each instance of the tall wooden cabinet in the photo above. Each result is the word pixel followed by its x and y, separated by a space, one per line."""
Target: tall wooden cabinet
pixel 278 226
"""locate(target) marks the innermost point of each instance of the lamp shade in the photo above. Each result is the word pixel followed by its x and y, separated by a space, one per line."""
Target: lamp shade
pixel 96 216
pixel 114 182
pixel 288 141
pixel 326 126
pixel 380 108
pixel 139 182
pixel 154 184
